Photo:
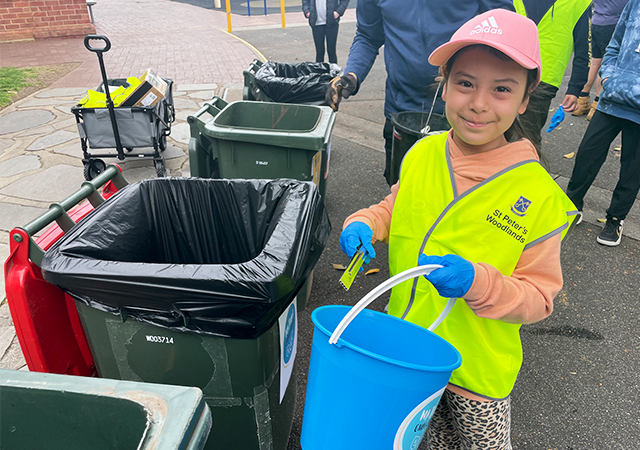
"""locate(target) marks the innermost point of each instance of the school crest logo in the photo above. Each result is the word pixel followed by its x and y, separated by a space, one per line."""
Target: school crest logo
pixel 520 207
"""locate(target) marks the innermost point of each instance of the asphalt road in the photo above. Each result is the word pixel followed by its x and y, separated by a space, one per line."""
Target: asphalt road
pixel 578 388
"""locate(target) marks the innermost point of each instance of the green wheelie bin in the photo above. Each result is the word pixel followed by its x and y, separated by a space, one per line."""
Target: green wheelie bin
pixel 64 412
pixel 261 140
pixel 193 282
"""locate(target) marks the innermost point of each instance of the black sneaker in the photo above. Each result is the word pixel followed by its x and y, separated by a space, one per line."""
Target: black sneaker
pixel 611 234
pixel 580 217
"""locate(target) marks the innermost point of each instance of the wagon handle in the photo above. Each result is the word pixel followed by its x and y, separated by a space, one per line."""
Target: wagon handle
pixel 97 37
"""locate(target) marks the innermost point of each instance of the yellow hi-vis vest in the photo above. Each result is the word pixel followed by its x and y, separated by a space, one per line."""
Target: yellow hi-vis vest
pixel 555 32
pixel 494 222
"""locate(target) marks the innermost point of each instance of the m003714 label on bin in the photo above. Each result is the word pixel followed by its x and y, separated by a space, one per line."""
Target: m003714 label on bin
pixel 160 339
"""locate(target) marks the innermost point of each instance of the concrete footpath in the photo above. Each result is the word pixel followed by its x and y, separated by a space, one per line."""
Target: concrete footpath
pixel 578 388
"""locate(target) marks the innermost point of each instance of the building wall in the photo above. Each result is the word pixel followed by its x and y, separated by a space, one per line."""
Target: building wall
pixel 34 19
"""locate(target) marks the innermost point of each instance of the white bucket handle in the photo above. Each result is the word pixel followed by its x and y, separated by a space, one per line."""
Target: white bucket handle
pixel 384 287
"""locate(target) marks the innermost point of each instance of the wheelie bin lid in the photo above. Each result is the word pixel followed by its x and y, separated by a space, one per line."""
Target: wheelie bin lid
pixel 306 127
pixel 220 257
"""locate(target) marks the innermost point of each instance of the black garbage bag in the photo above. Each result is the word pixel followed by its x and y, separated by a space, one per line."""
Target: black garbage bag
pixel 304 82
pixel 220 257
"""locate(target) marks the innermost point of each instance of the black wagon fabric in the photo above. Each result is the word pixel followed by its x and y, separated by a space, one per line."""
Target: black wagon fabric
pixel 220 257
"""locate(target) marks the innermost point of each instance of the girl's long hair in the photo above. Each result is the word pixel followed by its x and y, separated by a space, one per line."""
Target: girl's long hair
pixel 516 131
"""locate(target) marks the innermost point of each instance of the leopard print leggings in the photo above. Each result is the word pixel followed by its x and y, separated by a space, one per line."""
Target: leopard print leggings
pixel 463 424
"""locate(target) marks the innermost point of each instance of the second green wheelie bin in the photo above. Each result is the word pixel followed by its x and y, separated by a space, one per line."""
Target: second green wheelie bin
pixel 261 140
pixel 193 282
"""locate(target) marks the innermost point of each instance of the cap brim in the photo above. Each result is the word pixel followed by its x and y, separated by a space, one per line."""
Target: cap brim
pixel 442 54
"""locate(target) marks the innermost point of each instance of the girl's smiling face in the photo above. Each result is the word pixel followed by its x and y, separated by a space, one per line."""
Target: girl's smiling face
pixel 483 95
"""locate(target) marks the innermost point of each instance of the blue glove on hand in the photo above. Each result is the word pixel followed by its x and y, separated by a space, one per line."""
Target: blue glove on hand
pixel 455 277
pixel 353 236
pixel 557 118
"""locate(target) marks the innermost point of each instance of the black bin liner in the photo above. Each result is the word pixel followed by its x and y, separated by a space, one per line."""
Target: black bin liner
pixel 304 82
pixel 219 257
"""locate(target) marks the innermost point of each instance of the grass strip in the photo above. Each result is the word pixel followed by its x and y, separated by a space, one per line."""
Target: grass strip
pixel 12 79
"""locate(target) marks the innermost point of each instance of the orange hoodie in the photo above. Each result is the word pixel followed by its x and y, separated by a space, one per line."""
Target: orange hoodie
pixel 527 295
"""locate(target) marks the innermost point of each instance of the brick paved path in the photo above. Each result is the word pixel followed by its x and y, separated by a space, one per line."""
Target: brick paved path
pixel 179 41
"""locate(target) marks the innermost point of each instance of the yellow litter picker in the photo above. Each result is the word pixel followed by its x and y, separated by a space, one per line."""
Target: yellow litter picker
pixel 346 280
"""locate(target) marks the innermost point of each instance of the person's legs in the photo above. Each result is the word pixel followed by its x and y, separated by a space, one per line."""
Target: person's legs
pixel 626 190
pixel 441 433
pixel 332 39
pixel 535 116
pixel 318 39
pixel 387 134
pixel 592 153
pixel 470 424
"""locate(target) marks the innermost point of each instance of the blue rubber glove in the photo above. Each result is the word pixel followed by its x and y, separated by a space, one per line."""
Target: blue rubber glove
pixel 353 236
pixel 455 277
pixel 557 119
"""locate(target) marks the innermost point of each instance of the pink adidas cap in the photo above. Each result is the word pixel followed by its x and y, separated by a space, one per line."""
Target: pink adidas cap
pixel 513 34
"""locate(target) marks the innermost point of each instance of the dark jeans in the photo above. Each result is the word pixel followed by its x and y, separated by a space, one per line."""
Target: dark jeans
pixel 320 32
pixel 592 153
pixel 535 116
pixel 387 134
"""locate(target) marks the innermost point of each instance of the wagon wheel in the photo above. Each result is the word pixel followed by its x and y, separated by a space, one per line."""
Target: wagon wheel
pixel 93 168
pixel 161 171
pixel 162 142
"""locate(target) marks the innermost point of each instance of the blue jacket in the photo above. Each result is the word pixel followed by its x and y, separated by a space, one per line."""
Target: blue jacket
pixel 620 95
pixel 409 30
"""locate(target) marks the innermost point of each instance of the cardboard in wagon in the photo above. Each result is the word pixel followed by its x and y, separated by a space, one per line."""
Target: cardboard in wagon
pixel 149 92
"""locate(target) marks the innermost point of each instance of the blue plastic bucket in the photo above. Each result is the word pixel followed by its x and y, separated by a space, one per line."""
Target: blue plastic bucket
pixel 378 387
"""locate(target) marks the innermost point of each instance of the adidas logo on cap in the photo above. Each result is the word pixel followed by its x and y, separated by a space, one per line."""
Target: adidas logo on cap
pixel 487 26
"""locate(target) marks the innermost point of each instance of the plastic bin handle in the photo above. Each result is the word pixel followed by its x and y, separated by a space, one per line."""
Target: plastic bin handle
pixel 97 37
pixel 212 107
pixel 381 289
pixel 255 66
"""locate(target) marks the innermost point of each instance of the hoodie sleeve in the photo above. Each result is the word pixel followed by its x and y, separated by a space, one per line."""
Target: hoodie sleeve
pixel 368 40
pixel 377 217
pixel 580 67
pixel 527 295
pixel 342 7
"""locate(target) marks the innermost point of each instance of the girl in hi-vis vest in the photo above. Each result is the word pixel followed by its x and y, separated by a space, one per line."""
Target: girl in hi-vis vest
pixel 476 201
